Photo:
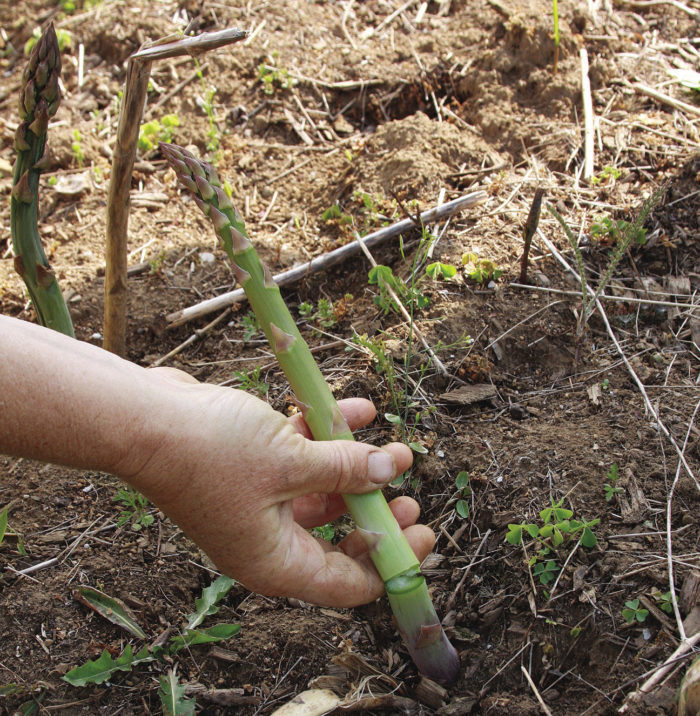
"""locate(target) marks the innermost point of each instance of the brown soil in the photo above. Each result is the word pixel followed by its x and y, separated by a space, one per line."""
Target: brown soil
pixel 465 98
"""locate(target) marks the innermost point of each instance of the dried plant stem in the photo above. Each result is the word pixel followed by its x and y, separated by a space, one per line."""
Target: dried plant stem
pixel 533 219
pixel 605 297
pixel 535 691
pixel 661 671
pixel 130 114
pixel 663 98
pixel 588 118
pixel 196 336
pixel 326 261
pixel 669 541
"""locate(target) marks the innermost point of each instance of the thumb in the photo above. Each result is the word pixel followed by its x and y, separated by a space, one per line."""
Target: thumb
pixel 337 466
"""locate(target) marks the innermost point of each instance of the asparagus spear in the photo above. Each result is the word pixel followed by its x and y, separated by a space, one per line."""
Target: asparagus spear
pixel 39 100
pixel 388 547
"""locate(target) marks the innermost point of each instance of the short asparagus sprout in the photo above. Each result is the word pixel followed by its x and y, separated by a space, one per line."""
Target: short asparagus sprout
pixel 390 551
pixel 39 99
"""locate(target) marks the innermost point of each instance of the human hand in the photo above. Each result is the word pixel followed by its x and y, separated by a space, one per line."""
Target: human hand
pixel 245 483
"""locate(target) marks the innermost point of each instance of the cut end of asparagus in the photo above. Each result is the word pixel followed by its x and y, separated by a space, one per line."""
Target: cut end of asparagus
pixel 423 634
pixel 445 668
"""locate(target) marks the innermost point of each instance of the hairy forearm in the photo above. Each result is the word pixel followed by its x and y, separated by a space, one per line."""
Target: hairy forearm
pixel 71 403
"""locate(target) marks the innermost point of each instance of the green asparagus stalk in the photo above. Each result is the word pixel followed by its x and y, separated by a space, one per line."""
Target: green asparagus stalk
pixel 39 99
pixel 390 551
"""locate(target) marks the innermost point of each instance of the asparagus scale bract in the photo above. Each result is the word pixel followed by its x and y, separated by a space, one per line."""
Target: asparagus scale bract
pixel 39 99
pixel 390 551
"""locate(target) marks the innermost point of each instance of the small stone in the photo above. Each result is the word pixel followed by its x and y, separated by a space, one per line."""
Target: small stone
pixel 69 186
pixel 541 279
pixel 517 412
pixel 206 257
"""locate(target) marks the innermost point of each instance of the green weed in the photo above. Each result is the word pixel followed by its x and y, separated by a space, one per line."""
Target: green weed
pixel 633 612
pixel 545 571
pixel 464 491
pixel 627 232
pixel 77 148
pixel 409 425
pixel 156 263
pixel 326 313
pixel 157 131
pixel 272 77
pixel 383 277
pixel 480 270
pixel 610 488
pixel 251 327
pixel 334 214
pixel 172 696
pixel 3 524
pixel 250 380
pixel 439 270
pixel 70 6
pixel 134 509
pixel 608 176
pixel 610 232
pixel 664 601
pixel 558 528
pixel 100 670
pixel 325 532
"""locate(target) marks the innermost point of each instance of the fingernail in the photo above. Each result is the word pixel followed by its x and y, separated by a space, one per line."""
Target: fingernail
pixel 380 467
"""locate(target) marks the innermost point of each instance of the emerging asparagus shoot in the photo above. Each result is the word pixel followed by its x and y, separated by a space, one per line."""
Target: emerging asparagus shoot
pixel 390 551
pixel 39 100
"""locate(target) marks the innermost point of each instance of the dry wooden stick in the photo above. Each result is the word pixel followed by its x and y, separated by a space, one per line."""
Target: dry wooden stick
pixel 651 3
pixel 130 113
pixel 387 20
pixel 663 98
pixel 606 297
pixel 197 335
pixel 533 218
pixel 176 47
pixel 538 696
pixel 661 671
pixel 588 119
pixel 326 261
